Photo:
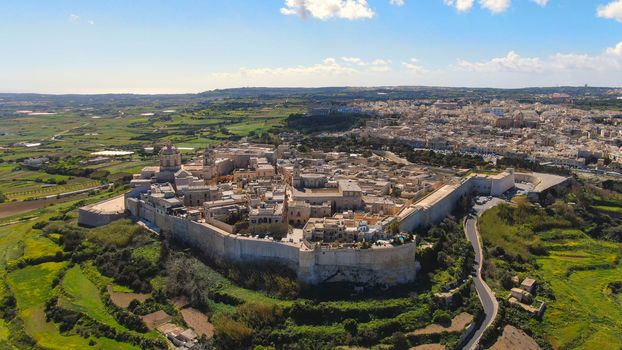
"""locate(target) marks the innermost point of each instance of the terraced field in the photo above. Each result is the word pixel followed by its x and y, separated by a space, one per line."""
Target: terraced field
pixel 583 314
pixel 31 298
pixel 33 285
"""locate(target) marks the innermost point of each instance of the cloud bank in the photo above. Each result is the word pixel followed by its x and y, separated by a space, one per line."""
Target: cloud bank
pixel 327 9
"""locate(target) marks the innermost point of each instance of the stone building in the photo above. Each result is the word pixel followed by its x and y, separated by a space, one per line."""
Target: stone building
pixel 170 163
pixel 266 214
pixel 346 196
pixel 299 212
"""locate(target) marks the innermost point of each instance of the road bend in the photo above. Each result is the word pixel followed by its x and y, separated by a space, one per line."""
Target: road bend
pixel 486 296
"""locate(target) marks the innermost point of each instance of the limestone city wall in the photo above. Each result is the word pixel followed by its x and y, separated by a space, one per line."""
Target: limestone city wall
pixel 384 265
pixel 483 185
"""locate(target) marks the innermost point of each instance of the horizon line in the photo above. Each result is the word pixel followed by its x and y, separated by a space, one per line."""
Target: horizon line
pixel 304 88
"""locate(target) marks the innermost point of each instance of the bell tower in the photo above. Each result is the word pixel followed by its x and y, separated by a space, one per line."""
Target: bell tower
pixel 170 158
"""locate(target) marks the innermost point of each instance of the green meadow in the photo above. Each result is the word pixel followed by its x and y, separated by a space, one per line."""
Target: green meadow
pixel 32 286
pixel 582 313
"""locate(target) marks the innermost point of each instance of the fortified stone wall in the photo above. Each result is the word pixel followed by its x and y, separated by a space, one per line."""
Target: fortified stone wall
pixel 87 217
pixel 424 217
pixel 388 265
pixel 482 185
pixel 384 265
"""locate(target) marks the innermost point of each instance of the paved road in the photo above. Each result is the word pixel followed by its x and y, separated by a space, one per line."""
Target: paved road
pixel 67 194
pixel 486 296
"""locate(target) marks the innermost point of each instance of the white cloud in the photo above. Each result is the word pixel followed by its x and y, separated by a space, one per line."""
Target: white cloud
pixel 377 65
pixel 414 66
pixel 380 65
pixel 541 2
pixel 495 6
pixel 512 62
pixel 330 71
pixel 327 9
pixel 397 2
pixel 460 5
pixel 612 10
pixel 353 60
pixel 609 60
pixel 329 66
pixel 77 19
pixel 616 50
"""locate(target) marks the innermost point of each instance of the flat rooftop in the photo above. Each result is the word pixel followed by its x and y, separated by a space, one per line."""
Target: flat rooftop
pixel 429 201
pixel 111 206
pixel 547 181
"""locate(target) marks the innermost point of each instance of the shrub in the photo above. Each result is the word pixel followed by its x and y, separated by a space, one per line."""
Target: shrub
pixel 351 326
pixel 259 315
pixel 231 334
pixel 441 317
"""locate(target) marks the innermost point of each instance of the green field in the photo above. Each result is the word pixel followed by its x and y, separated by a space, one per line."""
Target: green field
pixel 582 292
pixel 583 314
pixel 39 247
pixel 30 301
pixel 32 285
pixel 608 205
pixel 83 296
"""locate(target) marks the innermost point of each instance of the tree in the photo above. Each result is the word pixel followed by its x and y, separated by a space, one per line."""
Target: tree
pixel 231 334
pixel 441 317
pixel 396 192
pixel 394 227
pixel 351 326
pixel 399 341
pixel 506 280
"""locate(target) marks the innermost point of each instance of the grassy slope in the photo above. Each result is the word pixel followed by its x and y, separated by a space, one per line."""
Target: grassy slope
pixel 33 284
pixel 583 316
pixel 150 252
pixel 84 297
pixel 30 300
pixel 39 247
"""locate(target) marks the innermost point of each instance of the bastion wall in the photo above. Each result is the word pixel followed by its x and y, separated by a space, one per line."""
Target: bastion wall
pixel 424 216
pixel 388 265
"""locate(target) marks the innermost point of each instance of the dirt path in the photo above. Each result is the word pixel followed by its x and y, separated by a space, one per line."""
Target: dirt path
pixel 458 324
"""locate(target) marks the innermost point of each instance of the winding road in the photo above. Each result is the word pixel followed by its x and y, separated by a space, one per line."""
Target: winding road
pixel 486 295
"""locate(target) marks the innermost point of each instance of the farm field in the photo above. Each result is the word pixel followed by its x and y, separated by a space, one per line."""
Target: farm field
pixel 583 313
pixel 582 292
pixel 32 285
pixel 84 296
pixel 30 301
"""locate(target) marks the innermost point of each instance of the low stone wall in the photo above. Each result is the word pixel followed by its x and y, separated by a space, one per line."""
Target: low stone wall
pixel 89 218
pixel 221 225
pixel 102 213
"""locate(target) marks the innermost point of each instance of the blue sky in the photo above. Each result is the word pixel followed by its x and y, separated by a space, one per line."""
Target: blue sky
pixel 80 46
